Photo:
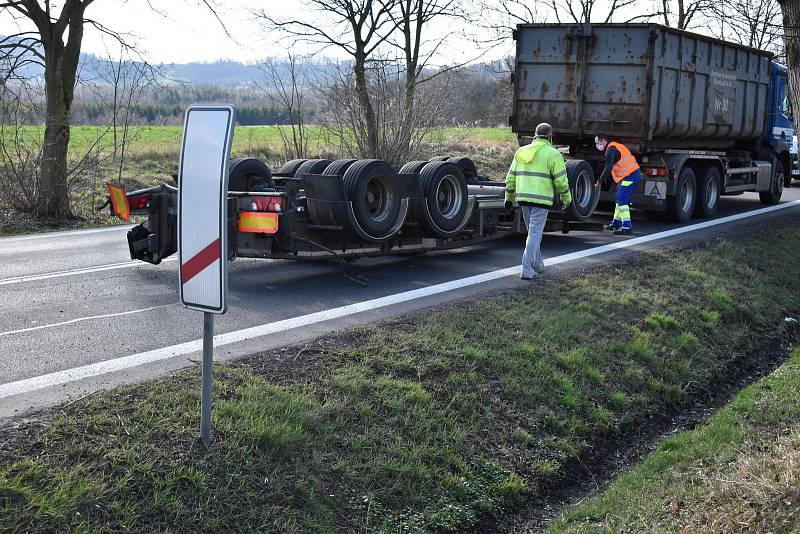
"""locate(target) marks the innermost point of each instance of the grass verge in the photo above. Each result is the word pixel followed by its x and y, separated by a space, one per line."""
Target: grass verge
pixel 739 472
pixel 437 421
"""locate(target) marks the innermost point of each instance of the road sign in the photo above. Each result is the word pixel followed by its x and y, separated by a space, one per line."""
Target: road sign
pixel 202 228
pixel 203 207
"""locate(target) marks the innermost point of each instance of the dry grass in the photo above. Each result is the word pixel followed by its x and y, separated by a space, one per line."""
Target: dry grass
pixel 758 492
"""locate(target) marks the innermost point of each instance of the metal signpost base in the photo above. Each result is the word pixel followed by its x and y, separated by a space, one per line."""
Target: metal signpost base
pixel 205 394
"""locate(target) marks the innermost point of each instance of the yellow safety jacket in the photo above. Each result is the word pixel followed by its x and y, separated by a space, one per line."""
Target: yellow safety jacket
pixel 537 172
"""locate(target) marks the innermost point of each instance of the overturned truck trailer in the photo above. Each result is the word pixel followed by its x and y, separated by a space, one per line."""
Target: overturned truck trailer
pixel 348 208
pixel 704 117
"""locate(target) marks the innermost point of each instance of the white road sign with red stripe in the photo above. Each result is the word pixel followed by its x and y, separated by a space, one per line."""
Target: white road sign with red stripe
pixel 202 207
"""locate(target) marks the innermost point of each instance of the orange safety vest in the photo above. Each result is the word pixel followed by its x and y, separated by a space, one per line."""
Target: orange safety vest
pixel 626 165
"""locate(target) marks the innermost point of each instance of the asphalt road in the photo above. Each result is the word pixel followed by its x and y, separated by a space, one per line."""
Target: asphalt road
pixel 75 298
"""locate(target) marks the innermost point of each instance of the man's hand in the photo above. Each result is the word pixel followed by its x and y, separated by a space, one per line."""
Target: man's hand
pixel 509 205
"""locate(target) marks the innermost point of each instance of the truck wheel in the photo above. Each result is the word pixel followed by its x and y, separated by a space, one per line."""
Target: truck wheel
pixel 445 190
pixel 413 167
pixel 708 194
pixel 773 196
pixel 585 194
pixel 312 166
pixel 681 206
pixel 248 174
pixel 290 167
pixel 338 167
pixel 370 185
pixel 466 165
pixel 439 158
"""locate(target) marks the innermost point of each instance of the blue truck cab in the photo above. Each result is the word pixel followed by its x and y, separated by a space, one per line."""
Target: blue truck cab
pixel 780 132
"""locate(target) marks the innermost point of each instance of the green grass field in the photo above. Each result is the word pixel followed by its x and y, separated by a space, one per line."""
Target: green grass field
pixel 434 422
pixel 165 140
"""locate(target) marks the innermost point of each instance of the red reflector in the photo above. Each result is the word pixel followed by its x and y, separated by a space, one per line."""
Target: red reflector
pixel 273 204
pixel 139 202
pixel 656 171
pixel 258 223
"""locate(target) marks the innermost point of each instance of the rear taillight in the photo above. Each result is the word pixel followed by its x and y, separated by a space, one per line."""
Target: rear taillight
pixel 270 204
pixel 656 171
pixel 139 202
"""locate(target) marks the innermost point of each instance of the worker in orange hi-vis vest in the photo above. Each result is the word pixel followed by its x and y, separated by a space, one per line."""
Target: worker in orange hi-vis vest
pixel 622 167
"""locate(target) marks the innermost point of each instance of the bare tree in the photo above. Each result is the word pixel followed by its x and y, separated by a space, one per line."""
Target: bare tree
pixel 501 16
pixel 583 11
pixel 359 28
pixel 791 37
pixel 412 20
pixel 59 58
pixel 682 13
pixel 289 94
pixel 55 45
pixel 400 136
pixel 754 24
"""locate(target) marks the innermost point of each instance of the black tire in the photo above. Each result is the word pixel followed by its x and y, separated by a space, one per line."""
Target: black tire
pixel 445 191
pixel 466 165
pixel 773 196
pixel 290 167
pixel 413 167
pixel 708 192
pixel 371 186
pixel 681 205
pixel 585 194
pixel 248 174
pixel 440 158
pixel 338 167
pixel 312 166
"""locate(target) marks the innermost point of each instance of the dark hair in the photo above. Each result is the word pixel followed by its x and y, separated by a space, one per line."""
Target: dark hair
pixel 602 137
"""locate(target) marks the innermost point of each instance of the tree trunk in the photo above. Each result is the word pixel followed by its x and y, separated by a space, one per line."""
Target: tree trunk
pixel 56 142
pixel 791 38
pixel 60 75
pixel 359 68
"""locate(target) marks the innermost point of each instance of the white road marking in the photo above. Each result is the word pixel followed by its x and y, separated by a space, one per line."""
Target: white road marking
pixel 71 233
pixel 75 272
pixel 127 362
pixel 82 319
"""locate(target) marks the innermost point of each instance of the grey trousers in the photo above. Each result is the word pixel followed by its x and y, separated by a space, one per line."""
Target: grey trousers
pixel 535 218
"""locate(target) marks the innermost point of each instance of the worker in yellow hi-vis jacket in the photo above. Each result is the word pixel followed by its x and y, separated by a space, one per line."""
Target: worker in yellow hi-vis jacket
pixel 537 172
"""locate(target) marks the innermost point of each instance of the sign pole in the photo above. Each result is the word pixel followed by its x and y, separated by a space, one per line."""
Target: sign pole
pixel 205 394
pixel 202 229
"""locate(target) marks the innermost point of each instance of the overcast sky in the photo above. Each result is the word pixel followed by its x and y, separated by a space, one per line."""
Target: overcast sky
pixel 186 32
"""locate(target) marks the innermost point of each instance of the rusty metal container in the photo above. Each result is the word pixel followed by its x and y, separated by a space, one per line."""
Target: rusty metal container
pixel 646 84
